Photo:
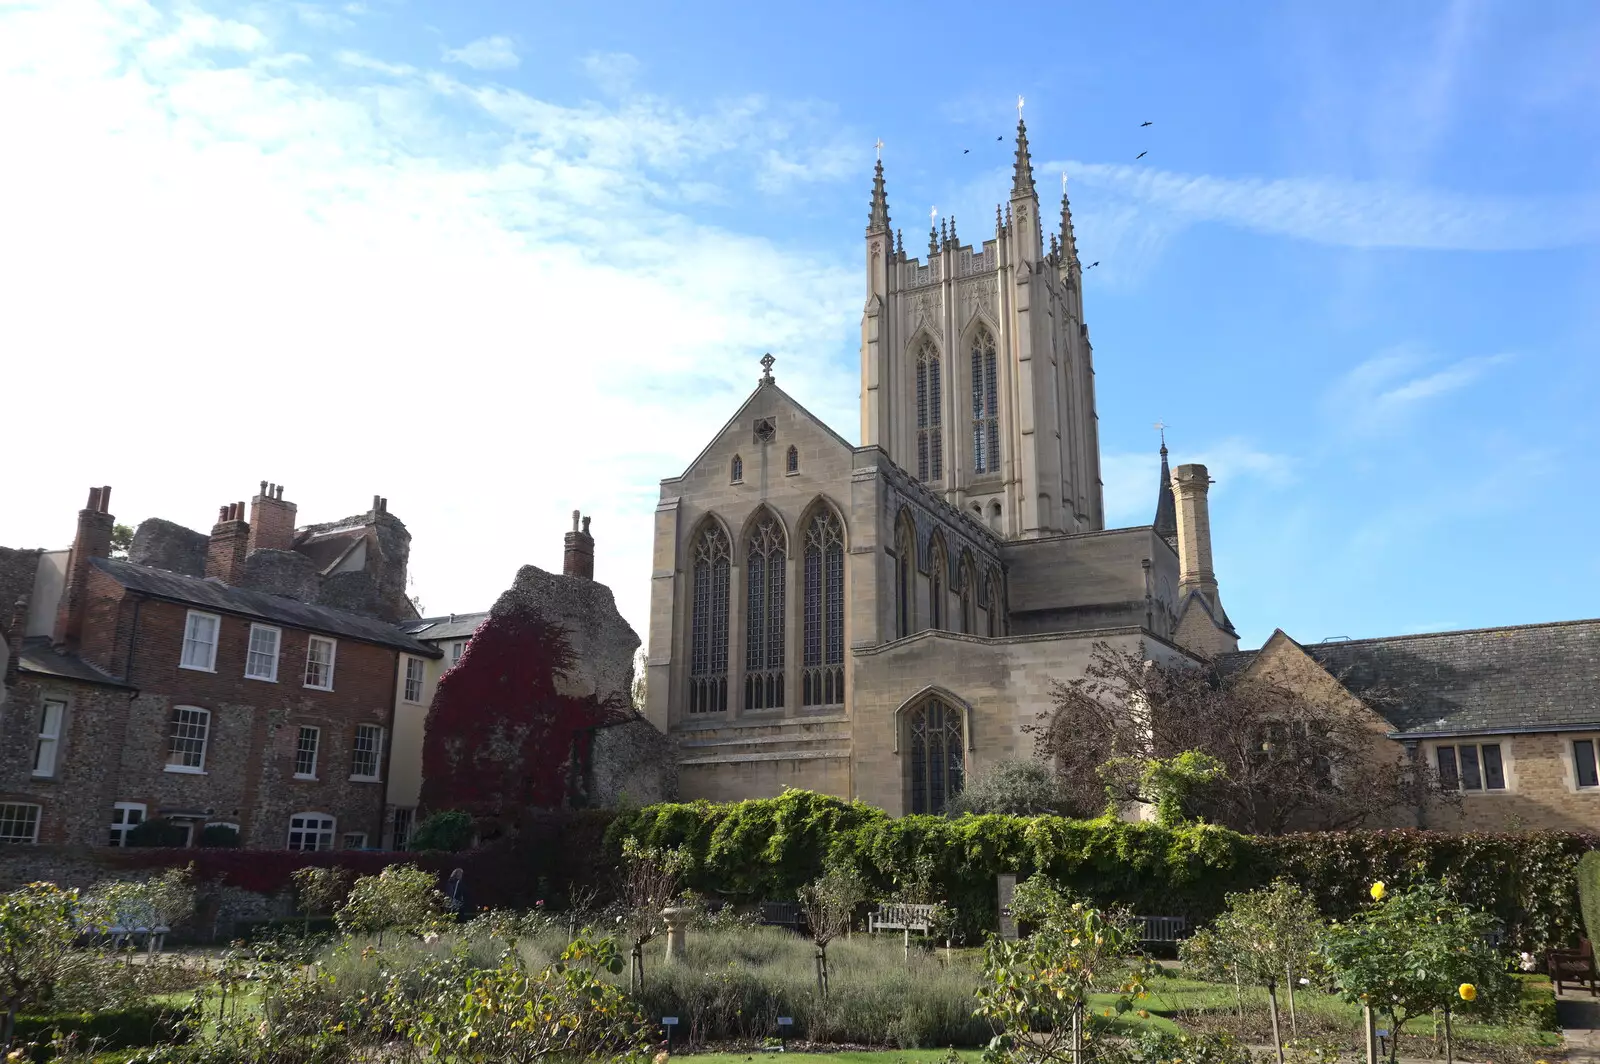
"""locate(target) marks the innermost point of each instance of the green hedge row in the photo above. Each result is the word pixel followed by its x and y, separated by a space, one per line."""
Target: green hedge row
pixel 766 849
pixel 108 1029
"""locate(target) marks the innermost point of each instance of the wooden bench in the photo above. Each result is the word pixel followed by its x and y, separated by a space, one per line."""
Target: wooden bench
pixel 1163 930
pixel 901 916
pixel 783 914
pixel 1573 966
pixel 155 937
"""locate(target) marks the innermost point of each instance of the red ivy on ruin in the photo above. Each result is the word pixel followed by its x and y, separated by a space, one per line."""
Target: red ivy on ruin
pixel 500 739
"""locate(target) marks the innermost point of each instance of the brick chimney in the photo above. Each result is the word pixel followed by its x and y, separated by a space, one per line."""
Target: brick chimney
pixel 579 558
pixel 1191 483
pixel 92 541
pixel 271 520
pixel 230 542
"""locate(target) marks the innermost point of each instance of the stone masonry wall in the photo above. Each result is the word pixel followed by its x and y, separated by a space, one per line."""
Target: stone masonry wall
pixel 163 544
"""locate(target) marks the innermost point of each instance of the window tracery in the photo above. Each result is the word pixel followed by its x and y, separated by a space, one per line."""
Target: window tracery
pixel 708 633
pixel 985 405
pixel 936 756
pixel 930 394
pixel 822 677
pixel 766 561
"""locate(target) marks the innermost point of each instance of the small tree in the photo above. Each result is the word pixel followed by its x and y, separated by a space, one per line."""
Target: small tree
pixel 1036 990
pixel 400 898
pixel 450 831
pixel 37 927
pixel 1015 788
pixel 1416 952
pixel 321 890
pixel 1265 938
pixel 1176 786
pixel 650 880
pixel 121 540
pixel 830 904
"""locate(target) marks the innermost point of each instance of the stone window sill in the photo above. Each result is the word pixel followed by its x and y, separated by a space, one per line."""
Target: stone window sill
pixel 185 770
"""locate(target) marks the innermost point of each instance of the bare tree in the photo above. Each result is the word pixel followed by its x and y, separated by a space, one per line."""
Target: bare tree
pixel 1290 761
pixel 649 884
pixel 829 905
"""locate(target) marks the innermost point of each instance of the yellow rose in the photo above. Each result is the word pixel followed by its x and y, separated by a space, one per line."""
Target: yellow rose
pixel 1467 991
pixel 1378 890
pixel 1144 1014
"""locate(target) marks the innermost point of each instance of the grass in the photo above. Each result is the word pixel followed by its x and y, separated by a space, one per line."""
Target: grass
pixel 854 1056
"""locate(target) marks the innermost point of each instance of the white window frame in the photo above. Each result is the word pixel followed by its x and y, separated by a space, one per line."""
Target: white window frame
pixel 333 657
pixel 421 677
pixel 344 840
pixel 173 723
pixel 457 648
pixel 189 641
pixel 327 827
pixel 190 836
pixel 316 750
pixel 6 817
pixel 250 653
pixel 377 754
pixel 48 741
pixel 119 832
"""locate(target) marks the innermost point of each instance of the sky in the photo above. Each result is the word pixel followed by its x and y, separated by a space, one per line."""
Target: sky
pixel 499 261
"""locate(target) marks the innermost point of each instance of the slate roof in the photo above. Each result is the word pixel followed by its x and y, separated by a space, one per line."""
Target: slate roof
pixel 40 659
pixel 1527 678
pixel 212 594
pixel 454 626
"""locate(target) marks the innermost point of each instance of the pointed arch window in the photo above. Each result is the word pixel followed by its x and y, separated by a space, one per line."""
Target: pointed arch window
pixel 969 598
pixel 791 460
pixel 766 561
pixel 936 570
pixel 905 568
pixel 708 625
pixel 930 394
pixel 822 678
pixel 935 756
pixel 985 405
pixel 736 470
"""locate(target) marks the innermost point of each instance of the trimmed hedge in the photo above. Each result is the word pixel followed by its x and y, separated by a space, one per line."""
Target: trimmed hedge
pixel 108 1029
pixel 1589 894
pixel 768 848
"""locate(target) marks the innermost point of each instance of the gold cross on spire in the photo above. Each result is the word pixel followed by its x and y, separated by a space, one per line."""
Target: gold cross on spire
pixel 1161 427
pixel 933 215
pixel 1019 108
pixel 1063 182
pixel 880 149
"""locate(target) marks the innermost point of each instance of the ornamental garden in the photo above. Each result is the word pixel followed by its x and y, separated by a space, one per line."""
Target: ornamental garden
pixel 808 924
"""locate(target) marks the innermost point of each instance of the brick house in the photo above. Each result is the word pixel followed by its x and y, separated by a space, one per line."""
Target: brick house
pixel 246 678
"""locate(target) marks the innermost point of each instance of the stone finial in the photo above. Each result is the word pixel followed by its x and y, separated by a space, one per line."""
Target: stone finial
pixel 899 244
pixel 766 368
pixel 955 241
pixel 878 215
pixel 1022 175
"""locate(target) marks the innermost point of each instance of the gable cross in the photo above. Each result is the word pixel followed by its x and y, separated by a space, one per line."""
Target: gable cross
pixel 766 367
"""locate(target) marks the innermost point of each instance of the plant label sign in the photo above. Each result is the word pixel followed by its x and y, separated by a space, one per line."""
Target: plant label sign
pixel 669 1021
pixel 1006 889
pixel 785 1021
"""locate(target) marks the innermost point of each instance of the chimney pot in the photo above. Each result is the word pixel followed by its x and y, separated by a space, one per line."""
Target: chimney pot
pixel 93 540
pixel 586 526
pixel 574 520
pixel 94 502
pixel 578 559
pixel 263 487
pixel 279 493
pixel 105 499
pixel 374 504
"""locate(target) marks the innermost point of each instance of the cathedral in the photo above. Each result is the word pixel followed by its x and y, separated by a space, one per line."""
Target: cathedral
pixel 884 621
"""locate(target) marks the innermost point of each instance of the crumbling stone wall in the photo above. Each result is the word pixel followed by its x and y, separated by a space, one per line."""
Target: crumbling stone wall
pixel 516 724
pixel 632 761
pixel 281 572
pixel 163 544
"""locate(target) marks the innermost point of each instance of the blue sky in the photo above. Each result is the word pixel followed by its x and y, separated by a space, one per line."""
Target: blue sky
pixel 497 261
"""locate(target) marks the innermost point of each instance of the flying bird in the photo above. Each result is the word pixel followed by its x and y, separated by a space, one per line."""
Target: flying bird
pixel 1092 265
pixel 999 138
pixel 1141 155
pixel 965 150
pixel 1143 124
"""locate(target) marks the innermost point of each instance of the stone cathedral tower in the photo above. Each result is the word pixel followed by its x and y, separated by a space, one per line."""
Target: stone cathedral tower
pixel 977 375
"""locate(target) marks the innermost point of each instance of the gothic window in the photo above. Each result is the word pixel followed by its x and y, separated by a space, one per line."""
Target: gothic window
pixel 765 561
pixel 936 571
pixel 994 607
pixel 736 472
pixel 791 461
pixel 822 679
pixel 930 445
pixel 994 515
pixel 969 597
pixel 905 568
pixel 985 405
pixel 708 625
pixel 936 756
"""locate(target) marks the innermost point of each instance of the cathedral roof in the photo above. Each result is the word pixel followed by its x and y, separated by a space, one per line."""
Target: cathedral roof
pixel 1486 681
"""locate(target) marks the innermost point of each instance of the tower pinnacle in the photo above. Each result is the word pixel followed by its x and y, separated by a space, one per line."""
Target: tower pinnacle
pixel 878 216
pixel 1022 178
pixel 1069 242
pixel 1166 523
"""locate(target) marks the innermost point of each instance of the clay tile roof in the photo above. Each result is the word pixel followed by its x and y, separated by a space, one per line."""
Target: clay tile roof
pixel 212 594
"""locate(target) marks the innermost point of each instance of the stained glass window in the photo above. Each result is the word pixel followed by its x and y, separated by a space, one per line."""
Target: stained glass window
pixel 822 678
pixel 930 445
pixel 936 756
pixel 985 405
pixel 708 631
pixel 765 559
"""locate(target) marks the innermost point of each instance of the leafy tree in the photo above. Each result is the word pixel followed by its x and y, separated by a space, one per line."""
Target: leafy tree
pixel 321 890
pixel 1176 786
pixel 1266 937
pixel 1291 760
pixel 121 540
pixel 1036 990
pixel 400 898
pixel 37 927
pixel 450 831
pixel 651 879
pixel 830 904
pixel 1416 952
pixel 1017 788
pixel 220 837
pixel 1589 893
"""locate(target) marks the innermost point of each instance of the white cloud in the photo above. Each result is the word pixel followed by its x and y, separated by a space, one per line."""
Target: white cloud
pixel 354 280
pixel 1378 394
pixel 485 53
pixel 612 71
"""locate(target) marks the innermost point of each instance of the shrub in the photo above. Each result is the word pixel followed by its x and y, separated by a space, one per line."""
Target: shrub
pixel 1588 876
pixel 220 837
pixel 158 832
pixel 107 1029
pixel 400 898
pixel 1011 788
pixel 449 831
